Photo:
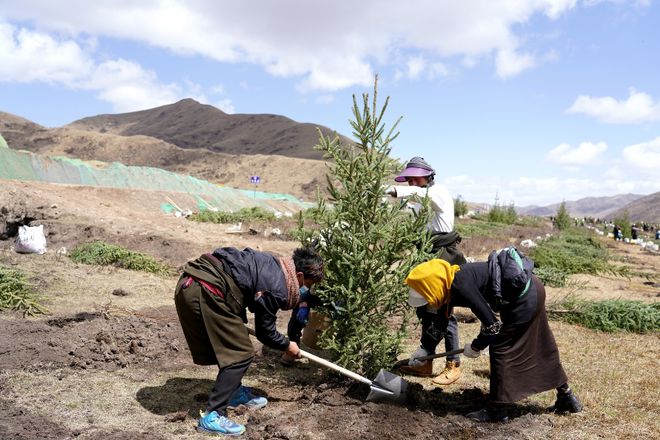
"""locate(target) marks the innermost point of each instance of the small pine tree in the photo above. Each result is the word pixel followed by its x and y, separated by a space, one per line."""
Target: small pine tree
pixel 460 207
pixel 623 223
pixel 499 214
pixel 511 215
pixel 562 219
pixel 368 245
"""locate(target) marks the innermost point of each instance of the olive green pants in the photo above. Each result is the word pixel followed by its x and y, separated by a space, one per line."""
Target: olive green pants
pixel 214 330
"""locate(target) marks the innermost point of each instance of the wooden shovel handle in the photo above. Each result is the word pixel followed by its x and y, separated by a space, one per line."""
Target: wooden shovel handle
pixel 337 368
pixel 430 356
pixel 326 363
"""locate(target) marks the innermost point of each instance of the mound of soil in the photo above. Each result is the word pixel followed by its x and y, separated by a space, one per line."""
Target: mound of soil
pixel 92 341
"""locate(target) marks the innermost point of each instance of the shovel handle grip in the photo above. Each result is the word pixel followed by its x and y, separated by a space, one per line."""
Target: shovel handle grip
pixel 337 368
pixel 326 363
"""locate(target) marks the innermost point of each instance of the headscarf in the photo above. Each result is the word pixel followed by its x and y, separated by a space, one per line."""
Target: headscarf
pixel 432 279
pixel 292 285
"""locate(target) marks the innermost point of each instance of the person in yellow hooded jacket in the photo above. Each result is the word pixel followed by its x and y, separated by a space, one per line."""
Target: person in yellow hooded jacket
pixel 524 358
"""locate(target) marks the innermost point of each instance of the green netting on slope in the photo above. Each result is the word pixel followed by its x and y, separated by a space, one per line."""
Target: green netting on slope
pixel 22 165
pixel 3 142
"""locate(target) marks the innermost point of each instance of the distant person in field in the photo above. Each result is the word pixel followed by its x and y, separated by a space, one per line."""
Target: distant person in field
pixel 524 358
pixel 212 298
pixel 420 177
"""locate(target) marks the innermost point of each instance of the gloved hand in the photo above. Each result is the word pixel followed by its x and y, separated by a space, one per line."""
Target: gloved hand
pixel 420 352
pixel 390 190
pixel 469 352
pixel 302 315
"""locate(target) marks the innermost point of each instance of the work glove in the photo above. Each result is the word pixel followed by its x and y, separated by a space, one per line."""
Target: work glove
pixel 302 315
pixel 469 352
pixel 420 352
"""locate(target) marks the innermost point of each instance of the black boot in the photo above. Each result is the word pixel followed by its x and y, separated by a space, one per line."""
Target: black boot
pixel 566 402
pixel 490 414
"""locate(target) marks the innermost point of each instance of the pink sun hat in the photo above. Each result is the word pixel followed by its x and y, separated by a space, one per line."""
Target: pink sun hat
pixel 416 167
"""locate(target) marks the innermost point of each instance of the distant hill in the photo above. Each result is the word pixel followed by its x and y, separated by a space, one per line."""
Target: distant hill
pixel 599 207
pixel 646 209
pixel 277 172
pixel 191 125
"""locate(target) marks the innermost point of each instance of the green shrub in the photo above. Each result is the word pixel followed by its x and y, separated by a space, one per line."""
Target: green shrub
pixel 17 294
pixel 499 214
pixel 479 228
pixel 551 276
pixel 610 315
pixel 460 207
pixel 575 251
pixel 563 221
pixel 104 254
pixel 254 213
pixel 530 221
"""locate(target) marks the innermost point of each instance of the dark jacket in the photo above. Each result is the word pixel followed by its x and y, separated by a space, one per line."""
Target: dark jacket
pixel 253 272
pixel 473 288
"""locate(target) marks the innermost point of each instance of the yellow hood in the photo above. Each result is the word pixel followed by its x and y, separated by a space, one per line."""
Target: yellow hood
pixel 432 280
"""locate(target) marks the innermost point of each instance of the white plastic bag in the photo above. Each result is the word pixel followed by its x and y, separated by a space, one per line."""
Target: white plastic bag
pixel 30 240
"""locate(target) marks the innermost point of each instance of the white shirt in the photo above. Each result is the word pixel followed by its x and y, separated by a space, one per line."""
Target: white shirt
pixel 441 203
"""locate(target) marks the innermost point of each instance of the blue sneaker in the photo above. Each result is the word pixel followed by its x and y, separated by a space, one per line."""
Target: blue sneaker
pixel 245 396
pixel 214 423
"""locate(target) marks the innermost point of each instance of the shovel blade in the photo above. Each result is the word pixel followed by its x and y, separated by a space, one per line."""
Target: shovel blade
pixel 387 386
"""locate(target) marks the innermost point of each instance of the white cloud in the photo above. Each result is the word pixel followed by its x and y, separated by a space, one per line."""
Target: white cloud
pixel 635 3
pixel 418 67
pixel 325 99
pixel 510 63
pixel 127 86
pixel 325 44
pixel 527 190
pixel 27 56
pixel 639 107
pixel 586 153
pixel 226 105
pixel 644 156
pixel 32 56
pixel 218 89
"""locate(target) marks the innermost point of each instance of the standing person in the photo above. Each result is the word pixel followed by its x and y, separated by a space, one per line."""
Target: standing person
pixel 524 358
pixel 420 177
pixel 212 297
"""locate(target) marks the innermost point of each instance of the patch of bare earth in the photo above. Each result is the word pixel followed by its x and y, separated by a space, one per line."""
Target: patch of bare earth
pixel 110 360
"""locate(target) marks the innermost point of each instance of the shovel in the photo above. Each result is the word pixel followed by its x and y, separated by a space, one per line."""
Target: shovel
pixel 386 386
pixel 426 358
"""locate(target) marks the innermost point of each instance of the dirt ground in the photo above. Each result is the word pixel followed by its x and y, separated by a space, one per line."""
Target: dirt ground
pixel 110 360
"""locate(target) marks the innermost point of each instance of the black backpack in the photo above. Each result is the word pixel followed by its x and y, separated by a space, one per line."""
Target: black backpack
pixel 510 274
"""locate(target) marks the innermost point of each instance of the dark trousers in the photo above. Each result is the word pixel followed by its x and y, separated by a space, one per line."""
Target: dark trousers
pixel 451 338
pixel 452 255
pixel 226 383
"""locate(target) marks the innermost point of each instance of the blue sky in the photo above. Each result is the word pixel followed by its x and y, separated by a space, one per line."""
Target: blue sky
pixel 532 101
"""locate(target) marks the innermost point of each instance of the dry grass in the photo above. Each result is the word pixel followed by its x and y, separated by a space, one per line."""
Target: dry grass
pixel 614 375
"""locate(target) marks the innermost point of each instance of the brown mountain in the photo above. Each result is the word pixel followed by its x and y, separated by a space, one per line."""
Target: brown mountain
pixel 279 174
pixel 599 207
pixel 191 125
pixel 646 209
